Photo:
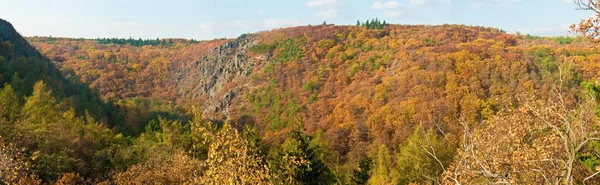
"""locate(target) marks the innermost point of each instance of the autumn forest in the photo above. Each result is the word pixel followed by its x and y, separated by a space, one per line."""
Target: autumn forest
pixel 372 103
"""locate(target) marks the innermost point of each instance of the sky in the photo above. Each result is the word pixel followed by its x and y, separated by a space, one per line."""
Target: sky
pixel 209 19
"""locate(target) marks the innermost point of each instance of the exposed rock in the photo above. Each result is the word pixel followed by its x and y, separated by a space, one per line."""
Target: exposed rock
pixel 214 81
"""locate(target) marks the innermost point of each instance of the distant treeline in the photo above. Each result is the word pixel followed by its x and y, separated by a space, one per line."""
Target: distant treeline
pixel 140 42
pixel 372 24
pixel 122 41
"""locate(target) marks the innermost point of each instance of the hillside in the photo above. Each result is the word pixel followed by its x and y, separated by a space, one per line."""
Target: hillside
pixel 327 77
pixel 22 65
pixel 347 104
pixel 49 124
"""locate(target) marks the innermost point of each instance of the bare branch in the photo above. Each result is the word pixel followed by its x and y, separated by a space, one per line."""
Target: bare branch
pixel 589 177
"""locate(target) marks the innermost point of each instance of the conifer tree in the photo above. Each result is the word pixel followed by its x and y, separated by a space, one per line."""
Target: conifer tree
pixel 361 175
pixel 314 171
pixel 9 103
pixel 40 107
pixel 382 172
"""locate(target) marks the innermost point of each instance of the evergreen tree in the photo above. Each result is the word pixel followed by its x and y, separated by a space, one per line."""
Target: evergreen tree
pixel 361 176
pixel 372 24
pixel 315 171
pixel 18 84
pixel 9 103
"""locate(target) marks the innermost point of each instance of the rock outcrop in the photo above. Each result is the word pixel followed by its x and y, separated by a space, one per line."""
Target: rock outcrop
pixel 217 78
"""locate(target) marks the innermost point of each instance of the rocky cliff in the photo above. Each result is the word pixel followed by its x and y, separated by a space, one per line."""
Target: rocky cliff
pixel 219 76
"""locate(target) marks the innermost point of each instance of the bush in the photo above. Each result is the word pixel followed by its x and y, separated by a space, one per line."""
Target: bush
pixel 262 48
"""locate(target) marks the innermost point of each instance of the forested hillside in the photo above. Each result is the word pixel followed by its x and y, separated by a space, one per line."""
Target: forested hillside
pixel 374 103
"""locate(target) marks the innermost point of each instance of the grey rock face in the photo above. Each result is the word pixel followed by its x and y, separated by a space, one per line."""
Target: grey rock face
pixel 215 80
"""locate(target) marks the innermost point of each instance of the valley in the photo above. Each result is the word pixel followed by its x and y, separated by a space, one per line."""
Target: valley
pixel 371 103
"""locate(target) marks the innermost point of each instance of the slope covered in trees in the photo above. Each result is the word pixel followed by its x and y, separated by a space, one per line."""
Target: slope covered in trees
pixel 322 104
pixel 21 65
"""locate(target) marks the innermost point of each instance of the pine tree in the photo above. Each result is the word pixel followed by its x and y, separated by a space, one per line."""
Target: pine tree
pixel 361 176
pixel 372 24
pixel 357 23
pixel 315 171
pixel 18 84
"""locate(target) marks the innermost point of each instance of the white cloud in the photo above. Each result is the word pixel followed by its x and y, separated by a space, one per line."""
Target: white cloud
pixel 261 11
pixel 418 2
pixel 394 8
pixel 320 3
pixel 386 5
pixel 279 23
pixel 326 14
pixel 445 1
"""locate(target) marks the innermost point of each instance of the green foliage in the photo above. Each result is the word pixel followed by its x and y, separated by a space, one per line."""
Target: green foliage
pixel 563 40
pixel 415 164
pixel 22 66
pixel 353 70
pixel 313 98
pixel 40 107
pixel 310 86
pixel 373 24
pixel 290 49
pixel 559 39
pixel 139 42
pixel 361 175
pixel 10 103
pixel 429 42
pixel 592 89
pixel 315 171
pixel 280 108
pixel 138 112
pixel 589 159
pixel 382 172
pixel 544 59
pixel 262 48
pixel 532 37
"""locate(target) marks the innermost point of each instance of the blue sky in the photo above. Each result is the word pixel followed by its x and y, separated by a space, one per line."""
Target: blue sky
pixel 207 19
